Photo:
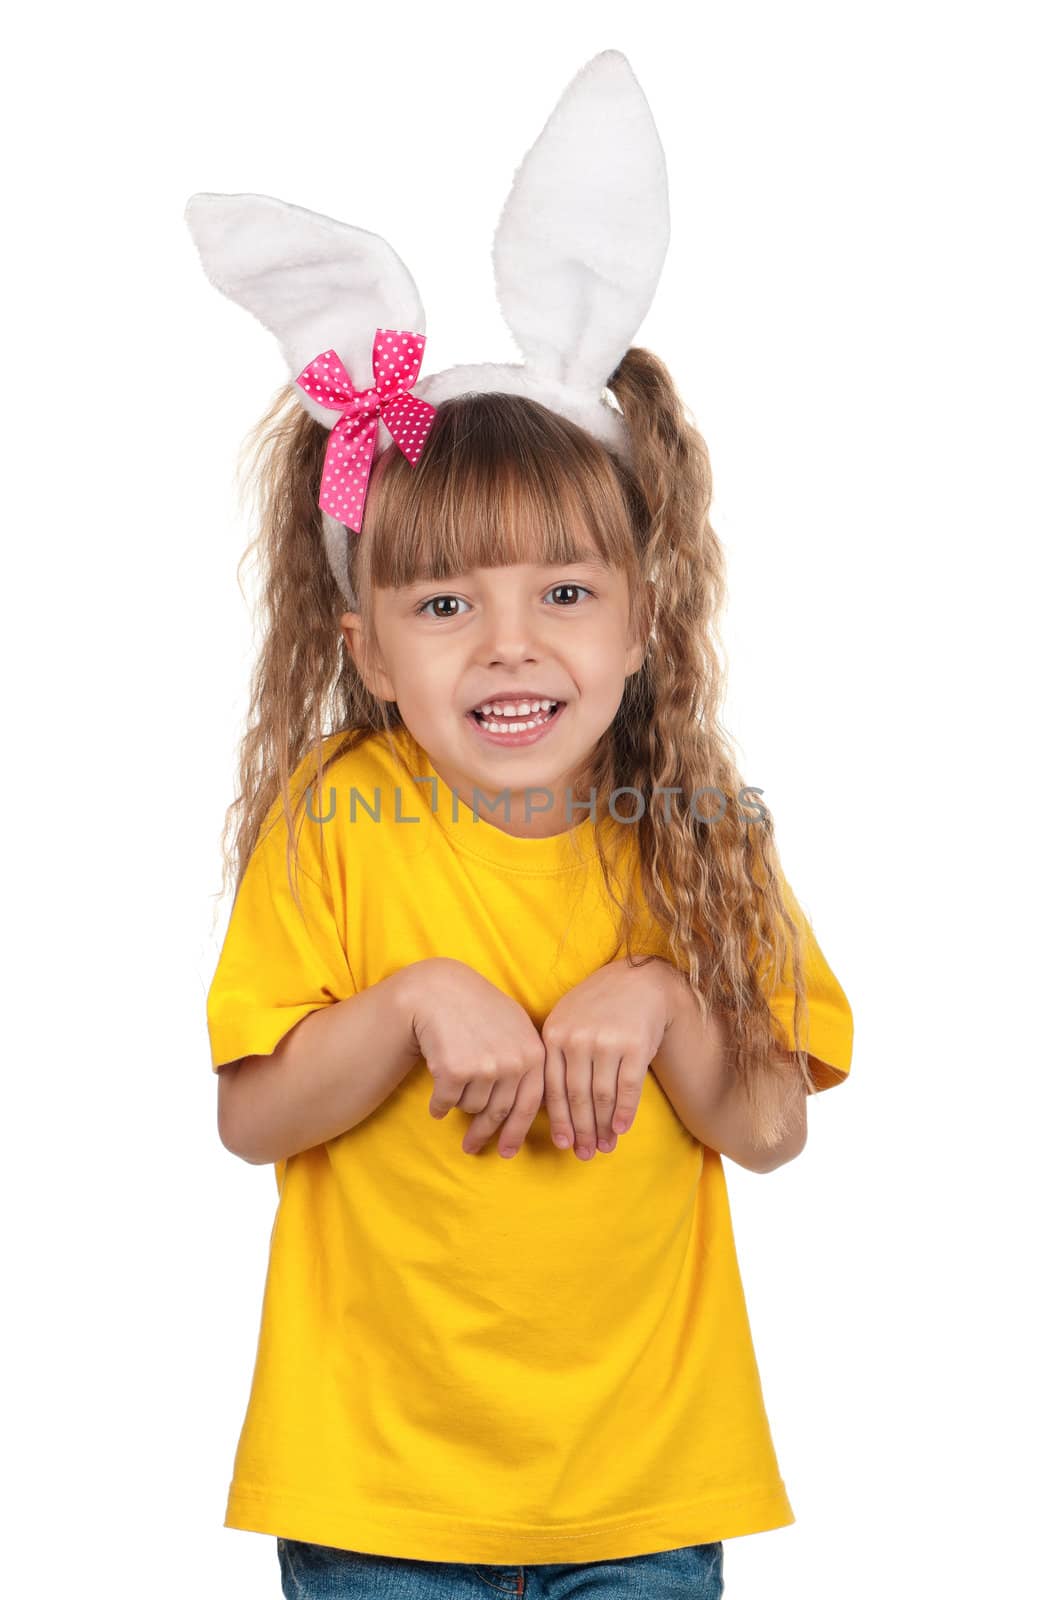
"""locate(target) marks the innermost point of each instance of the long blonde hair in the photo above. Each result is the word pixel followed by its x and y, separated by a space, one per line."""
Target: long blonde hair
pixel 502 479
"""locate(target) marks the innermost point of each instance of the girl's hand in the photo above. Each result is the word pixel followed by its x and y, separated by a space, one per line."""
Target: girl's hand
pixel 600 1039
pixel 482 1049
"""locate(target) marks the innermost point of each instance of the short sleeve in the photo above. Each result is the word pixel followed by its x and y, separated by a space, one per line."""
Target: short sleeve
pixel 827 1035
pixel 279 960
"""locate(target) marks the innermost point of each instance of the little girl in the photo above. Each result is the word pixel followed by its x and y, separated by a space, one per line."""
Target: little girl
pixel 512 961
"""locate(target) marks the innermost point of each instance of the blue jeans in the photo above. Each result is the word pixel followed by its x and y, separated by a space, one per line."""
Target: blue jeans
pixel 320 1572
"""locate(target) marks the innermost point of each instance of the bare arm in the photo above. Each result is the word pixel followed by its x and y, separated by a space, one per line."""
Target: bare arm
pixel 694 1068
pixel 326 1075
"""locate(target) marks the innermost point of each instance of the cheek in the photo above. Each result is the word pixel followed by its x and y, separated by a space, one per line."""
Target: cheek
pixel 600 660
pixel 426 671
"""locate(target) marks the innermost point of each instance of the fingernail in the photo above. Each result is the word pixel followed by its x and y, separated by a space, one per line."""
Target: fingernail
pixel 561 1140
pixel 506 1152
pixel 620 1125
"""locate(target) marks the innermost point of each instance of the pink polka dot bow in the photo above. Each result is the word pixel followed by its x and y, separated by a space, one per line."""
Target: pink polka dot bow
pixel 349 456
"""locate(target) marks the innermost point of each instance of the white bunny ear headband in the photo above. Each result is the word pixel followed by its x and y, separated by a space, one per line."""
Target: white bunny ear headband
pixel 577 254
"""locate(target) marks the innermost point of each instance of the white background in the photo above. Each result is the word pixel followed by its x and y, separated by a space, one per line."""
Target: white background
pixel 861 308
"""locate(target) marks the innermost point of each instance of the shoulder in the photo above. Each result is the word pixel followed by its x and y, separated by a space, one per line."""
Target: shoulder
pixel 365 756
pixel 368 763
pixel 359 757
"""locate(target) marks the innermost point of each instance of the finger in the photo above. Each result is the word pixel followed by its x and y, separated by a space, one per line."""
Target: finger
pixel 629 1081
pixel 447 1090
pixel 557 1098
pixel 580 1101
pixel 477 1093
pixel 486 1124
pixel 514 1130
pixel 604 1070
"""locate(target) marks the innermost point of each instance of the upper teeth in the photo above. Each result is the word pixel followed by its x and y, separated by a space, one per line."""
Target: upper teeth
pixel 515 708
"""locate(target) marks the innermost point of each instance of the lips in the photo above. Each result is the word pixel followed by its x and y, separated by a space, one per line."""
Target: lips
pixel 518 730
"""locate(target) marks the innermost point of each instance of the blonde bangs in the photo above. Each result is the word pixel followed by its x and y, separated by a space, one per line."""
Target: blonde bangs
pixel 501 481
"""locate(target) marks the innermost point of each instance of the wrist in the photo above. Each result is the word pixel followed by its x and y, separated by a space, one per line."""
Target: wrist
pixel 674 988
pixel 402 989
pixel 409 989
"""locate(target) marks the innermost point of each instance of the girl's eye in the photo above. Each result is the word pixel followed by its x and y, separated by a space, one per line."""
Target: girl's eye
pixel 423 607
pixel 442 616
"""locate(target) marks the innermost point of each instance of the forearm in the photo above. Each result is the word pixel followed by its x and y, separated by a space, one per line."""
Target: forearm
pixel 325 1076
pixel 695 1068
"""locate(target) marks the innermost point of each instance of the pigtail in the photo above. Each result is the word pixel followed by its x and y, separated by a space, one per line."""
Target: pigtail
pixel 304 683
pixel 715 886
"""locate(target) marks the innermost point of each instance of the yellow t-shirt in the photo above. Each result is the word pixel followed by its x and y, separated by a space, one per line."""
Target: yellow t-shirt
pixel 464 1358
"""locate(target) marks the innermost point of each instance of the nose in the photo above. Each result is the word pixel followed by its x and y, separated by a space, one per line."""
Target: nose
pixel 511 632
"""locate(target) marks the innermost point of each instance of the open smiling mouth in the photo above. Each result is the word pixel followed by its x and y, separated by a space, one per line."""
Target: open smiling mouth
pixel 516 729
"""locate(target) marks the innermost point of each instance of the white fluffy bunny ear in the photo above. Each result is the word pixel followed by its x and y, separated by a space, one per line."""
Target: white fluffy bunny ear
pixel 583 235
pixel 316 283
pixel 578 252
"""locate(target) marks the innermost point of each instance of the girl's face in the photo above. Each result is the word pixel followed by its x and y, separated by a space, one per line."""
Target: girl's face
pixel 506 635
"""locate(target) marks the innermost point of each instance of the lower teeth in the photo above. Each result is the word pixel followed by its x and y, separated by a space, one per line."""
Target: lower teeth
pixel 515 726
